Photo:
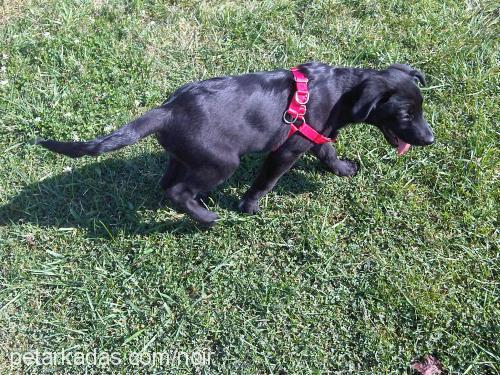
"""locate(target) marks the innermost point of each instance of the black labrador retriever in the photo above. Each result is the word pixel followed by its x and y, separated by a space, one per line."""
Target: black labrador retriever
pixel 207 126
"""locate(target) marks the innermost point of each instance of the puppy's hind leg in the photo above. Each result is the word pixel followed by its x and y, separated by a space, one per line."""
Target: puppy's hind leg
pixel 184 185
pixel 183 196
pixel 173 173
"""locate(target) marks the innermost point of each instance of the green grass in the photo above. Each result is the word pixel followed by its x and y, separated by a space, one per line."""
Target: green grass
pixel 363 275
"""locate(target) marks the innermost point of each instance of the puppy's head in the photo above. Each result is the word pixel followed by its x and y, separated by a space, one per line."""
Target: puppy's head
pixel 391 100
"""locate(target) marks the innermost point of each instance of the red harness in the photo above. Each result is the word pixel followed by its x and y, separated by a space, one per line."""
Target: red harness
pixel 297 109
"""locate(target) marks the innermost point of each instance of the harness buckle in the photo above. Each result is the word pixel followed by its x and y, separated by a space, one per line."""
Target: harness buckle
pixel 297 99
pixel 303 110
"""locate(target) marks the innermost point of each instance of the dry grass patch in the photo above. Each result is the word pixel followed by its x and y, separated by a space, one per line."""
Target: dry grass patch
pixel 10 9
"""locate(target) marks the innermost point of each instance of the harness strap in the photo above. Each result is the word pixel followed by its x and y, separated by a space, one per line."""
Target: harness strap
pixel 297 110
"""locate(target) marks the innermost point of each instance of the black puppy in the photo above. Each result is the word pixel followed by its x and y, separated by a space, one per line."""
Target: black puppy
pixel 207 126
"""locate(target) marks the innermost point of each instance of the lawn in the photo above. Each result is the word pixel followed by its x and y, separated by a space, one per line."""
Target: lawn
pixel 348 275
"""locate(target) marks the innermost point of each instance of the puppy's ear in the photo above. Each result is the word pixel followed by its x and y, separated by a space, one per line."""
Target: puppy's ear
pixel 417 75
pixel 371 92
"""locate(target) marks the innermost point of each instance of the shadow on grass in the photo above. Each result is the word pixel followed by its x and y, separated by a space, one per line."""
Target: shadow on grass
pixel 123 195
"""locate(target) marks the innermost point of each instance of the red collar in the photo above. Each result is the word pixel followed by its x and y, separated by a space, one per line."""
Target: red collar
pixel 294 115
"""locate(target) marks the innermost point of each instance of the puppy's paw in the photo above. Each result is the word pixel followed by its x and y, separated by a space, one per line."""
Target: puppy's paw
pixel 208 224
pixel 345 168
pixel 207 220
pixel 249 207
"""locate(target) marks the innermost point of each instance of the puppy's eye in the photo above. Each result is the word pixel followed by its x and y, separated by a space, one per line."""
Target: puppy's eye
pixel 406 116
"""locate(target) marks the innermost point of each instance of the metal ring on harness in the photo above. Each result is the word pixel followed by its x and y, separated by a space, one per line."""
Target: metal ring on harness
pixel 292 120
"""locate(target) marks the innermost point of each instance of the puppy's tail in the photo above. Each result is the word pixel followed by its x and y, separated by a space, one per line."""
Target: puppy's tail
pixel 147 124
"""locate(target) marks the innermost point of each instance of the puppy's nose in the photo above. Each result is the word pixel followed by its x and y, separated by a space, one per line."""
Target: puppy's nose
pixel 428 139
pixel 426 135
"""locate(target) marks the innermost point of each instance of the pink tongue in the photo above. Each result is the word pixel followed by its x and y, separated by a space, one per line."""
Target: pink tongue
pixel 402 147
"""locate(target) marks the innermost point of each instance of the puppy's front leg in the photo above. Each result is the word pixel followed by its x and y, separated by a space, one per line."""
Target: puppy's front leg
pixel 276 165
pixel 328 156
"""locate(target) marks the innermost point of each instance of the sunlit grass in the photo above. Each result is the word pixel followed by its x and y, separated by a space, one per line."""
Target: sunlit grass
pixel 362 274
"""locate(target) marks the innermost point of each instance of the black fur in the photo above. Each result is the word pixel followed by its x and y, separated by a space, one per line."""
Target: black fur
pixel 207 126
